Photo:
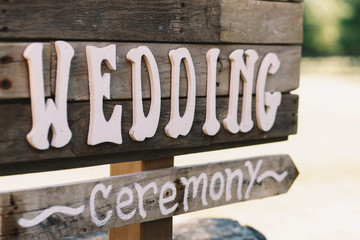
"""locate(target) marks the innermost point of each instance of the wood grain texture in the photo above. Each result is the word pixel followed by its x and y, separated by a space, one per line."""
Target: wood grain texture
pixel 261 21
pixel 85 161
pixel 16 152
pixel 139 20
pixel 144 20
pixel 285 80
pixel 14 76
pixel 157 229
pixel 132 231
pixel 30 203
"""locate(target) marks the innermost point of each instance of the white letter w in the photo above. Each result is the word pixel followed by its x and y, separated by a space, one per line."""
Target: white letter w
pixel 49 114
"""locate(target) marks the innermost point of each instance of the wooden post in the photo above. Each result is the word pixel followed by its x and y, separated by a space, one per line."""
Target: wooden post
pixel 159 229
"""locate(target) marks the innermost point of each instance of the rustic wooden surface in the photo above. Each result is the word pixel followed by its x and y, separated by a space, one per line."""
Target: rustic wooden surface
pixel 15 151
pixel 157 229
pixel 132 231
pixel 219 23
pixel 261 22
pixel 30 203
pixel 14 76
pixel 144 20
pixel 285 80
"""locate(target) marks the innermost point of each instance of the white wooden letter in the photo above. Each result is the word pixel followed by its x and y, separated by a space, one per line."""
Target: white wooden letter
pixel 105 193
pixel 49 114
pixel 181 125
pixel 144 127
pixel 101 130
pixel 163 200
pixel 247 75
pixel 267 103
pixel 211 125
pixel 129 201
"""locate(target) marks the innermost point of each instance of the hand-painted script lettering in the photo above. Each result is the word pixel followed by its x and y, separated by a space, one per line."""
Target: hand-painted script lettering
pixel 133 199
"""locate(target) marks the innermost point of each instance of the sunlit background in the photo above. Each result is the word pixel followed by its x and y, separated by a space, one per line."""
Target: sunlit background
pixel 324 202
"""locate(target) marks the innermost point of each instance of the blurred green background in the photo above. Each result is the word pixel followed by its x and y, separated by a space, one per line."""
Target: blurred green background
pixel 331 27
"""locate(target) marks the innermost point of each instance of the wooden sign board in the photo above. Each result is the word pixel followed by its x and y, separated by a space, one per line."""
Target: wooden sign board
pixel 213 21
pixel 21 156
pixel 96 205
pixel 115 92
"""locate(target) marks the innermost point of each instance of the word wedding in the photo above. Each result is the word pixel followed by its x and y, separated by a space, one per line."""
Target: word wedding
pixel 54 113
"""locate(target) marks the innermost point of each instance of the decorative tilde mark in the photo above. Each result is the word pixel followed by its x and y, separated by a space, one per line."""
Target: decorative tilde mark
pixel 253 172
pixel 48 212
pixel 274 175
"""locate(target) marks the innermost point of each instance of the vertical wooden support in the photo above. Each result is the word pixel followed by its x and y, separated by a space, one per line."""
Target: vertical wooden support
pixel 159 229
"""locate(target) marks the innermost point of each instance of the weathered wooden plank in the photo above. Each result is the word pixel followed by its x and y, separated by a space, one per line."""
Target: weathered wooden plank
pixel 93 201
pixel 144 20
pixel 157 229
pixel 85 161
pixel 15 150
pixel 261 21
pixel 14 76
pixel 285 80
pixel 140 20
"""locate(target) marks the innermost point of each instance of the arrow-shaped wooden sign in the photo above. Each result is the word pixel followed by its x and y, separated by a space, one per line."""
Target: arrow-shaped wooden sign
pixel 96 205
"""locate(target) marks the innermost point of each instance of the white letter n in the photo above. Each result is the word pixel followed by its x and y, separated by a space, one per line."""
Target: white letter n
pixel 49 114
